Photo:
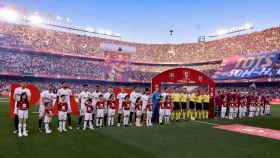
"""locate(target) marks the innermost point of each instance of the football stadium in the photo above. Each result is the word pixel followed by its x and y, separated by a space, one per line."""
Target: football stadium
pixel 168 79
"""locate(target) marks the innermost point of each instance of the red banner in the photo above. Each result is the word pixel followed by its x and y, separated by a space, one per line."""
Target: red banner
pixel 35 97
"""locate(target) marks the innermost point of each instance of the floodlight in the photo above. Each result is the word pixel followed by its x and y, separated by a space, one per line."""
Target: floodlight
pixel 8 14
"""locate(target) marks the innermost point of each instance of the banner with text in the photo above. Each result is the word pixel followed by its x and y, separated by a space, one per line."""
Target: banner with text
pixel 239 67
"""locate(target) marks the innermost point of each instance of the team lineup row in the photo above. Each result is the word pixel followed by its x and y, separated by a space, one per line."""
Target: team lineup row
pixel 129 109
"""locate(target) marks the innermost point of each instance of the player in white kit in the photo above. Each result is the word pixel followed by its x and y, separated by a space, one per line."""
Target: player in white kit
pixel 47 96
pixel 67 92
pixel 95 95
pixel 149 113
pixel 17 93
pixel 83 96
pixel 133 96
pixel 138 110
pixel 167 109
pixel 120 98
pixel 106 110
pixel 144 97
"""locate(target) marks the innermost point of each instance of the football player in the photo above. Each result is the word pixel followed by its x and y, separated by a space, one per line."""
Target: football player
pixel 83 97
pixel 88 110
pixel 126 110
pixel 62 107
pixel 67 92
pixel 17 93
pixel 22 106
pixel 120 98
pixel 47 97
pixel 149 112
pixel 100 106
pixel 138 110
pixel 112 105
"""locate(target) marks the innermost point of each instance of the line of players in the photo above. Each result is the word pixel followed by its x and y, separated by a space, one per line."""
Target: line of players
pixel 136 108
pixel 233 105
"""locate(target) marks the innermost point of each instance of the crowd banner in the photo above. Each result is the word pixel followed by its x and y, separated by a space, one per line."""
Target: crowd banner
pixel 240 67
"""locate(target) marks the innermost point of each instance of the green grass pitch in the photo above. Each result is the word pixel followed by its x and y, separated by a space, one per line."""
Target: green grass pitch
pixel 178 140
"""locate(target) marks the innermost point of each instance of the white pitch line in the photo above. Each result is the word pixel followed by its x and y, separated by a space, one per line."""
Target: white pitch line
pixel 208 123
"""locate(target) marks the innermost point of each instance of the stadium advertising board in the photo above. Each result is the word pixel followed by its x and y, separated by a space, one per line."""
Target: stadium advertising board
pixel 238 67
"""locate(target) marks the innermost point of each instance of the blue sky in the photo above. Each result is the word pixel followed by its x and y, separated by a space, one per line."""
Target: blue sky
pixel 150 20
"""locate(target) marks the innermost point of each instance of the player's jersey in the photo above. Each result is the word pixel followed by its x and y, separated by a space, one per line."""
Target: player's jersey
pixel 144 98
pixel 199 98
pixel 83 96
pixel 176 97
pixel 149 107
pixel 47 96
pixel 65 91
pixel 120 98
pixel 100 105
pixel 95 95
pixel 193 98
pixel 126 105
pixel 184 97
pixel 107 95
pixel 23 105
pixel 161 105
pixel 138 106
pixel 206 98
pixel 111 104
pixel 89 108
pixel 48 111
pixel 62 106
pixel 19 91
pixel 134 96
pixel 164 95
pixel 168 105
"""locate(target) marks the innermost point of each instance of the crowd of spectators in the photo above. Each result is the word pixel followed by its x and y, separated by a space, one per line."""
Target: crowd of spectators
pixel 39 39
pixel 57 66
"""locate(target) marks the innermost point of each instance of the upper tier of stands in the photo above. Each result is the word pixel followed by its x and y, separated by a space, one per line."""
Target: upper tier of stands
pixel 43 40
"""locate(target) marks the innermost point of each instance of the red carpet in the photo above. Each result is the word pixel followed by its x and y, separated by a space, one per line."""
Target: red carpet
pixel 256 131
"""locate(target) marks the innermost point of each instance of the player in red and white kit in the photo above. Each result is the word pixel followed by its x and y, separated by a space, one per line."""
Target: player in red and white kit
pixel 48 114
pixel 267 106
pixel 224 106
pixel 242 107
pixel 17 93
pixel 22 106
pixel 126 110
pixel 67 92
pixel 161 109
pixel 168 109
pixel 100 106
pixel 62 107
pixel 149 112
pixel 252 104
pixel 112 105
pixel 138 110
pixel 88 114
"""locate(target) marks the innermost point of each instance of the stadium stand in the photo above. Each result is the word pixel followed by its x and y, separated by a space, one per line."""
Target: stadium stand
pixel 38 52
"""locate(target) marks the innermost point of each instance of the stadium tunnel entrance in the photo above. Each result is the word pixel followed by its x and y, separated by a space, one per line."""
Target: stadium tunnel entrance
pixel 186 76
